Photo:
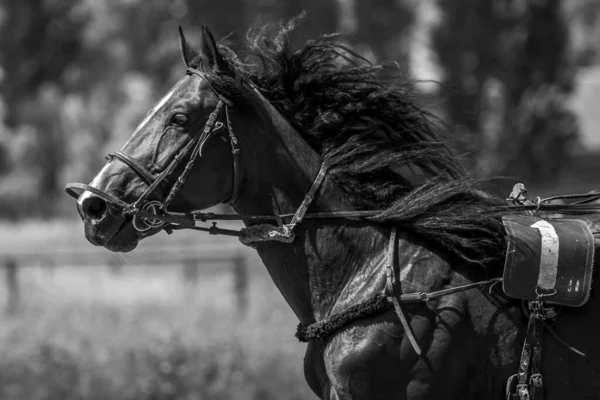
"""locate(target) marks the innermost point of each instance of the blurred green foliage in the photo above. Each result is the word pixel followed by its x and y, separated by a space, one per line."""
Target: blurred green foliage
pixel 76 76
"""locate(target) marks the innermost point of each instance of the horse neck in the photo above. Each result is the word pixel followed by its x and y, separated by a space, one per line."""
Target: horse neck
pixel 279 170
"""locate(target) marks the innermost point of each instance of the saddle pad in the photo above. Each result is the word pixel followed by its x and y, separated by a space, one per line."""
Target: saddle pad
pixel 548 260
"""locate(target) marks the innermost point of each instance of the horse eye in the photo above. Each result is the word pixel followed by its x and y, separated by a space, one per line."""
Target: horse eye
pixel 179 119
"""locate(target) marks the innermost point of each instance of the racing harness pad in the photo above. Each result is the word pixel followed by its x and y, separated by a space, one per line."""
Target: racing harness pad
pixel 549 260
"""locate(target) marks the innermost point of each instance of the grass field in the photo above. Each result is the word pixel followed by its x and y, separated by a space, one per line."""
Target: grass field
pixel 143 332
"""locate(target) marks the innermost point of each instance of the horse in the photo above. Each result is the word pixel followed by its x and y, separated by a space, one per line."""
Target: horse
pixel 384 248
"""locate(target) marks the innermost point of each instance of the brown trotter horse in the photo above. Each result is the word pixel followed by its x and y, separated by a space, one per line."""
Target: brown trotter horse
pixel 261 134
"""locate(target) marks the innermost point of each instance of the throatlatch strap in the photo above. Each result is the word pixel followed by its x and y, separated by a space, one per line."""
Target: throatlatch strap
pixel 391 280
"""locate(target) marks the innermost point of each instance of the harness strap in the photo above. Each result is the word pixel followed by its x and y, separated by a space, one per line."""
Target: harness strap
pixel 194 71
pixel 540 314
pixel 523 372
pixel 138 168
pixel 536 382
pixel 299 215
pixel 235 151
pixel 390 281
pixel 527 383
pixel 195 146
pixel 167 171
pixel 70 189
pixel 586 197
pixel 420 296
pixel 266 232
pixel 210 216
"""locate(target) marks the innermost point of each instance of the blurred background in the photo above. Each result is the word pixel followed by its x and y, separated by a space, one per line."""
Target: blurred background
pixel 192 316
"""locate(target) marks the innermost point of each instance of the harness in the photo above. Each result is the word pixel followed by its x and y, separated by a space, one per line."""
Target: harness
pixel 153 214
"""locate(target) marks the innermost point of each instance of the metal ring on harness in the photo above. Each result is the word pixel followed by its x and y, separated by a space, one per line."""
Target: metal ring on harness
pixel 144 224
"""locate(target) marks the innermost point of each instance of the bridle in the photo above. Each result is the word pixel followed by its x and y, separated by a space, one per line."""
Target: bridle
pixel 149 214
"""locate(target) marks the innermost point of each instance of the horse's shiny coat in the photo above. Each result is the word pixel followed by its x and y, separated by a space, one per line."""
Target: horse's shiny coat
pixel 471 340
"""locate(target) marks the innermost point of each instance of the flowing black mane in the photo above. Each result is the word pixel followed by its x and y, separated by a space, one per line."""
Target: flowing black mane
pixel 363 120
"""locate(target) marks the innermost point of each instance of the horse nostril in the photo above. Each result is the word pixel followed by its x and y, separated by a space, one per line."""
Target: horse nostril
pixel 94 207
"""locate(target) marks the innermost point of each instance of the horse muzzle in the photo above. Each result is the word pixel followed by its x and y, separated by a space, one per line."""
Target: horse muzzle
pixel 105 224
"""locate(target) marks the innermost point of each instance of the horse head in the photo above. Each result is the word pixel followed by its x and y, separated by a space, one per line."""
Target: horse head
pixel 183 156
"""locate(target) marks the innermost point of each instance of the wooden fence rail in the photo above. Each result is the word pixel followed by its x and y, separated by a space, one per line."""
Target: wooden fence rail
pixel 190 257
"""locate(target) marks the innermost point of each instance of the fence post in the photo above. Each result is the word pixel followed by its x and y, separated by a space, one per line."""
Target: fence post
pixel 12 286
pixel 240 283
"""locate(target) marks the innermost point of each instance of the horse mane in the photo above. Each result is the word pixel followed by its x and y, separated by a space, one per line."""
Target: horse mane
pixel 364 121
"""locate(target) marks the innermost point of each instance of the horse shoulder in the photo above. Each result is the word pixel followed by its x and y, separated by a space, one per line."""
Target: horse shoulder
pixel 372 357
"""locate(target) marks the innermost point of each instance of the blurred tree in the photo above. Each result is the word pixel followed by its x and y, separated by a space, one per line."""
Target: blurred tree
pixel 584 21
pixel 381 30
pixel 547 132
pixel 502 55
pixel 151 30
pixel 40 40
pixel 386 25
pixel 466 42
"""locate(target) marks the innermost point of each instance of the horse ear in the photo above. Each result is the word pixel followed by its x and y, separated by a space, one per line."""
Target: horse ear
pixel 187 52
pixel 209 52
